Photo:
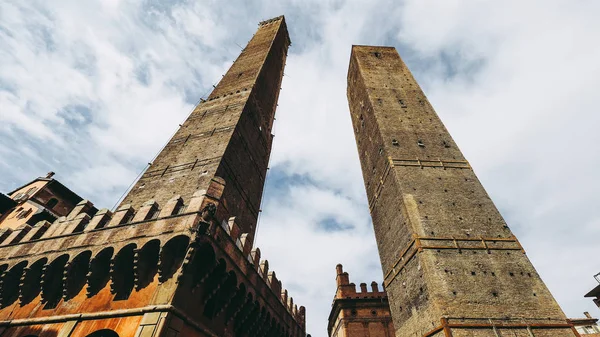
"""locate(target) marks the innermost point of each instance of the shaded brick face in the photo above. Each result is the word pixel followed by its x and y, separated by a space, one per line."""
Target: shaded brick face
pixel 444 247
pixel 228 135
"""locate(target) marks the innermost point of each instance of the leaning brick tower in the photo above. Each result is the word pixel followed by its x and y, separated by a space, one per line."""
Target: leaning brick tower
pixel 452 266
pixel 176 257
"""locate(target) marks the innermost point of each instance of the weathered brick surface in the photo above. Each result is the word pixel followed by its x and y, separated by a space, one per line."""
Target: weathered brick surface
pixel 228 135
pixel 176 257
pixel 444 247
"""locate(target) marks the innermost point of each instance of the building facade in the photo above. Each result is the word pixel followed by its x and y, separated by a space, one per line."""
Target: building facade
pixel 452 266
pixel 43 200
pixel 176 256
pixel 359 314
pixel 587 326
pixel 595 293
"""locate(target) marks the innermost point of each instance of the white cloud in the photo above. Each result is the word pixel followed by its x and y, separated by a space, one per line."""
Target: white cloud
pixel 92 90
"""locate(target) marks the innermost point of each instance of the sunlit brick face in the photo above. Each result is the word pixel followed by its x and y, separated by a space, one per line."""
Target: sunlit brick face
pixel 450 261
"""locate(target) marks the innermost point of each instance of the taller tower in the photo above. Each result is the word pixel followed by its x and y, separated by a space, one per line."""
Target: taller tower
pixel 452 267
pixel 228 135
pixel 176 258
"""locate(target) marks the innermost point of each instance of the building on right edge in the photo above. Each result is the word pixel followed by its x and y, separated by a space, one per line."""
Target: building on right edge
pixel 587 326
pixel 452 266
pixel 595 293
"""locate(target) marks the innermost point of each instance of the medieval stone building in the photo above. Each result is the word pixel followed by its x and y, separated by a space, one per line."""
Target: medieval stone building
pixel 175 258
pixel 452 266
pixel 361 314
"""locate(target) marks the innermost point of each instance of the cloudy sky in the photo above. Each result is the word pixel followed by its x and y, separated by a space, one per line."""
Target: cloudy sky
pixel 92 89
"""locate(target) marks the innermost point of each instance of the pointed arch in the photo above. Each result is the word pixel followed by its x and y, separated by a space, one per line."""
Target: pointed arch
pixel 225 291
pixel 122 273
pixel 9 284
pixel 76 274
pixel 171 256
pixel 147 263
pixel 32 279
pixel 52 288
pixel 103 333
pixel 99 271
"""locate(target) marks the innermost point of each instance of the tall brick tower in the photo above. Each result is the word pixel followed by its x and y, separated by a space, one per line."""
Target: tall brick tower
pixel 176 257
pixel 451 265
pixel 228 135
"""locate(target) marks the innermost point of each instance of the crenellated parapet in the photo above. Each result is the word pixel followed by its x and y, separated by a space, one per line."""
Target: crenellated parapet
pixel 128 250
pixel 347 290
pixel 364 313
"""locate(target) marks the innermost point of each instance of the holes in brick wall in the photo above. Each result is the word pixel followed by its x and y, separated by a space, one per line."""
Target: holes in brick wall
pixel 511 274
pixel 353 312
pixel 446 144
pixel 493 274
pixel 534 294
pixel 420 143
pixel 395 142
pixel 381 151
pixel 495 294
pixel 377 54
pixel 473 273
pixel 402 104
pixel 454 293
pixel 373 312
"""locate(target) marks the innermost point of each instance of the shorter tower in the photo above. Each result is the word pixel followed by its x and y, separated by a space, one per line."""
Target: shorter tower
pixel 363 314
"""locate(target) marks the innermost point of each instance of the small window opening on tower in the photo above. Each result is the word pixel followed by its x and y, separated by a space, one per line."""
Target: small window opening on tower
pixel 402 103
pixel 395 142
pixel 420 143
pixel 362 121
pixel 380 151
pixel 377 54
pixel 446 144
pixel 51 203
